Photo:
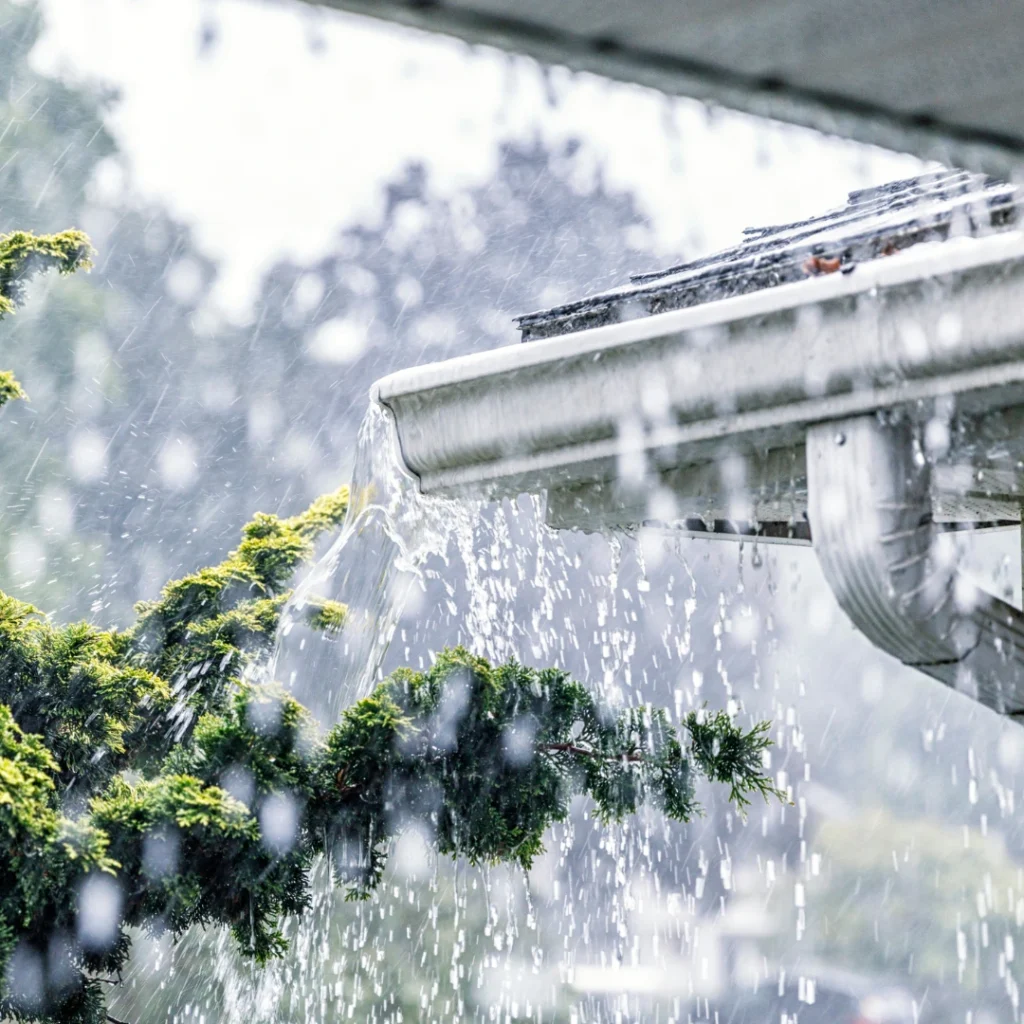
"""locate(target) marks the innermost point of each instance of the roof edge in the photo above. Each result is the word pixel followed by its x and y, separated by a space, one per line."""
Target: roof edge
pixel 830 113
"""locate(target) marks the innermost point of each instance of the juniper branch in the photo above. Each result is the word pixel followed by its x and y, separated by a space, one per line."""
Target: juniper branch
pixel 22 257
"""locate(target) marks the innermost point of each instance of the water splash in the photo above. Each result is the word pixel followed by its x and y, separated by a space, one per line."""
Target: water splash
pixel 372 567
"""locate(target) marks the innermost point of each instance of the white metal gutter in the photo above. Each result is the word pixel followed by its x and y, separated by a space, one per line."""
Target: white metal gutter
pixel 879 551
pixel 742 374
pixel 773 397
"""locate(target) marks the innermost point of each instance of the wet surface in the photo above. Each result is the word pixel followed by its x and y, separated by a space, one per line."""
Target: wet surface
pixel 875 223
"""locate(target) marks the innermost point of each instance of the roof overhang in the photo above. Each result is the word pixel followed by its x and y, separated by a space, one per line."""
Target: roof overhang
pixel 938 78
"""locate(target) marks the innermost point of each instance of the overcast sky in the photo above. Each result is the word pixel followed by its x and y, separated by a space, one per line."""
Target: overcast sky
pixel 287 125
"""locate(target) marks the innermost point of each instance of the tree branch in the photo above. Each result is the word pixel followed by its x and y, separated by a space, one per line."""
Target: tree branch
pixel 569 748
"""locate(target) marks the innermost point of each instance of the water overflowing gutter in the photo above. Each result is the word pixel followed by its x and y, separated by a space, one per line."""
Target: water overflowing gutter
pixel 804 405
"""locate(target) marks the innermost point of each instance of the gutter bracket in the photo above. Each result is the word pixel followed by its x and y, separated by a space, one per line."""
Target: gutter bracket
pixel 894 573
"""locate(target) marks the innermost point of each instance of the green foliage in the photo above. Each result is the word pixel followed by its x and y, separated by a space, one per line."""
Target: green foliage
pixel 83 710
pixel 44 854
pixel 23 256
pixel 107 701
pixel 327 616
pixel 10 389
pixel 725 753
pixel 489 757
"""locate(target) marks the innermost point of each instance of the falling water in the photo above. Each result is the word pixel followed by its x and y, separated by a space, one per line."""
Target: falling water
pixel 621 924
pixel 444 941
pixel 372 567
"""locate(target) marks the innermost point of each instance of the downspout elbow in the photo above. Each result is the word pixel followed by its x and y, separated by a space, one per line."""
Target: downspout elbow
pixel 894 572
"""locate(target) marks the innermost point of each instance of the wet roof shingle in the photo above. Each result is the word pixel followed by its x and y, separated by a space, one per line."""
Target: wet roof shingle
pixel 874 223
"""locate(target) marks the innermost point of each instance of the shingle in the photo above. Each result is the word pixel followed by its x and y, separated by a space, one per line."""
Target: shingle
pixel 875 223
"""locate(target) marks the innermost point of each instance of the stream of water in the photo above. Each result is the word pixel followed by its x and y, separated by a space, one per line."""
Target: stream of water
pixel 373 566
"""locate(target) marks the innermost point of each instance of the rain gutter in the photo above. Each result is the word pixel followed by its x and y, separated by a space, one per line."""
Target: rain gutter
pixel 812 394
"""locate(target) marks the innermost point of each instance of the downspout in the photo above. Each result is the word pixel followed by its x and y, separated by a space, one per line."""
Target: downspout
pixel 894 573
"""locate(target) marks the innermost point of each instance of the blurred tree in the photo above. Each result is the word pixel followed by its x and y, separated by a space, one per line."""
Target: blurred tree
pixel 143 440
pixel 912 900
